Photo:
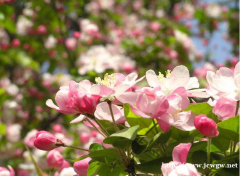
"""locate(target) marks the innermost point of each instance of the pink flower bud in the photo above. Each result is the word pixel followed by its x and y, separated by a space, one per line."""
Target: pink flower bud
pixel 71 43
pixel 76 34
pixel 42 29
pixel 155 26
pixel 81 167
pixel 94 133
pixel 6 172
pixel 45 141
pixel 57 128
pixel 84 137
pixel 65 164
pixel 16 43
pixel 206 126
pixel 54 159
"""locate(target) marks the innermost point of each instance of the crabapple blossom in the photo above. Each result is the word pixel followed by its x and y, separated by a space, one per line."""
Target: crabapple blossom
pixel 84 137
pixel 224 83
pixel 54 159
pixel 81 167
pixel 179 167
pixel 64 165
pixel 71 43
pixel 13 132
pixel 114 85
pixel 100 58
pixel 45 141
pixel 225 108
pixel 150 103
pixel 175 116
pixel 103 112
pixel 66 172
pixel 213 10
pixel 179 77
pixel 75 99
pixel 206 126
pixel 29 138
pixel 7 172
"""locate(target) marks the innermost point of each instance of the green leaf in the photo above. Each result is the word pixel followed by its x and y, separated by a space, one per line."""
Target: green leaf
pixel 101 169
pixel 178 134
pixel 199 157
pixel 228 131
pixel 2 129
pixel 137 148
pixel 38 169
pixel 115 170
pixel 107 126
pixel 229 157
pixel 80 158
pixel 229 171
pixel 133 119
pixel 105 156
pixel 122 138
pixel 202 108
pixel 153 166
pixel 96 147
pixel 93 168
pixel 160 138
pixel 231 124
pixel 198 146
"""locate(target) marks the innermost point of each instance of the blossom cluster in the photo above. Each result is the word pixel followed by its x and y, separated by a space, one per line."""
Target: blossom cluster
pixel 164 100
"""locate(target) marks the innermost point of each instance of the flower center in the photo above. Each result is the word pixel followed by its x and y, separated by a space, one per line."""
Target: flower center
pixel 161 76
pixel 108 80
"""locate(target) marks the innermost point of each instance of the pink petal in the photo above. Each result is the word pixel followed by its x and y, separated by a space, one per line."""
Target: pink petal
pixel 140 113
pixel 180 152
pixel 103 113
pixel 128 97
pixel 102 90
pixel 12 173
pixel 89 125
pixel 164 122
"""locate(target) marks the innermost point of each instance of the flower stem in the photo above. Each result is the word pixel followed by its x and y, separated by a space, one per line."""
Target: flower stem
pixel 96 127
pixel 155 125
pixel 78 148
pixel 208 153
pixel 111 111
pixel 102 128
pixel 237 107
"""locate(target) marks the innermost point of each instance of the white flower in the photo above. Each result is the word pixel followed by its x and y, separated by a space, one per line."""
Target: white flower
pixel 179 77
pixel 50 42
pixel 13 132
pixel 23 24
pixel 224 83
pixel 213 10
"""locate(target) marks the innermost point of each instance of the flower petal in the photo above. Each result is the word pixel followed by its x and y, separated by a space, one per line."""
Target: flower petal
pixel 78 119
pixel 180 152
pixel 152 79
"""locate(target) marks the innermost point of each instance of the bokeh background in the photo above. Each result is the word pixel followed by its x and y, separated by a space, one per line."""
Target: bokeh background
pixel 46 43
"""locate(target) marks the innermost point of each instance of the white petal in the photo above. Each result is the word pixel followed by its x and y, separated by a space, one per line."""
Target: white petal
pixel 128 97
pixel 237 69
pixel 152 78
pixel 50 104
pixel 199 93
pixel 78 119
pixel 179 78
pixel 193 83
